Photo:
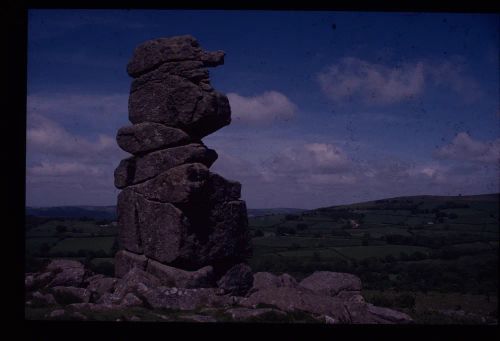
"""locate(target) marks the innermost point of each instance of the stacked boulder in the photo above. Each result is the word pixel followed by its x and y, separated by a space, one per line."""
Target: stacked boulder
pixel 176 218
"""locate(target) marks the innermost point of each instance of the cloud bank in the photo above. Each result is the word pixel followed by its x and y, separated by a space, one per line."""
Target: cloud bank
pixel 270 106
pixel 373 83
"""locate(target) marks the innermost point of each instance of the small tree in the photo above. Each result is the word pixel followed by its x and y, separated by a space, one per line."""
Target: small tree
pixel 61 228
pixel 302 226
pixel 366 239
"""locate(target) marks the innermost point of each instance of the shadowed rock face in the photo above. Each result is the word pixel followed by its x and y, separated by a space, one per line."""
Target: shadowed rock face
pixel 172 211
pixel 172 86
pixel 147 137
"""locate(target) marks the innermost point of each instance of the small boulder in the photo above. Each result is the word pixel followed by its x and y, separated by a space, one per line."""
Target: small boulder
pixel 266 280
pixel 132 280
pixel 390 315
pixel 298 300
pixel 68 295
pixel 237 281
pixel 58 313
pixel 182 299
pixel 242 314
pixel 67 273
pixel 98 286
pixel 42 300
pixel 37 281
pixel 331 283
pixel 173 277
pixel 124 262
pixel 131 300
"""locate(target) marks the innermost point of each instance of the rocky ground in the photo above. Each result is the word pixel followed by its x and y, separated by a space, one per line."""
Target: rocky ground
pixel 66 290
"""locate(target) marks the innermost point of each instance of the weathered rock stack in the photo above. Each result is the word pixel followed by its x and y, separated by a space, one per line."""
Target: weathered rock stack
pixel 174 215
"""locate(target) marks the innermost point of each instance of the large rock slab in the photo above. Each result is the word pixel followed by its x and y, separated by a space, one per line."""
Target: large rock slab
pixel 152 53
pixel 129 229
pixel 331 283
pixel 179 103
pixel 266 280
pixel 125 261
pixel 133 280
pixel 221 190
pixel 42 300
pixel 247 314
pixel 164 231
pixel 180 185
pixel 237 281
pixel 100 285
pixel 173 277
pixel 298 300
pixel 389 315
pixel 138 169
pixel 182 299
pixel 149 136
pixel 229 242
pixel 67 273
pixel 191 70
pixel 158 230
pixel 68 295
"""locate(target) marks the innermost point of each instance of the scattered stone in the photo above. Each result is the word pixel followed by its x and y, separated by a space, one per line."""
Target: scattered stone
pixel 389 314
pixel 331 283
pixel 199 318
pixel 131 300
pixel 242 314
pixel 78 316
pixel 42 300
pixel 68 295
pixel 298 300
pixel 134 279
pixel 91 307
pixel 98 286
pixel 173 277
pixel 266 280
pixel 237 281
pixel 125 261
pixel 330 320
pixel 57 313
pixel 41 280
pixel 185 299
pixel 67 273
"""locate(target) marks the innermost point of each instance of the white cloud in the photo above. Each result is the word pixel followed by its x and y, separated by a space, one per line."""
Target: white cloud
pixel 46 136
pixel 372 82
pixel 465 148
pixel 97 113
pixel 65 169
pixel 382 84
pixel 267 107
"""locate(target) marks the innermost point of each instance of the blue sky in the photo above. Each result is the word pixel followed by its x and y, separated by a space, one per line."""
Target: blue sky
pixel 328 107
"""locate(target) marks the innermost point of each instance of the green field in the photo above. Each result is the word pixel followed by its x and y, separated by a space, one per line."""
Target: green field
pixel 425 255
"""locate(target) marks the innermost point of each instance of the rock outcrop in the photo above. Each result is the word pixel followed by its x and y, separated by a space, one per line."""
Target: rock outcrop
pixel 175 217
pixel 183 230
pixel 239 295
